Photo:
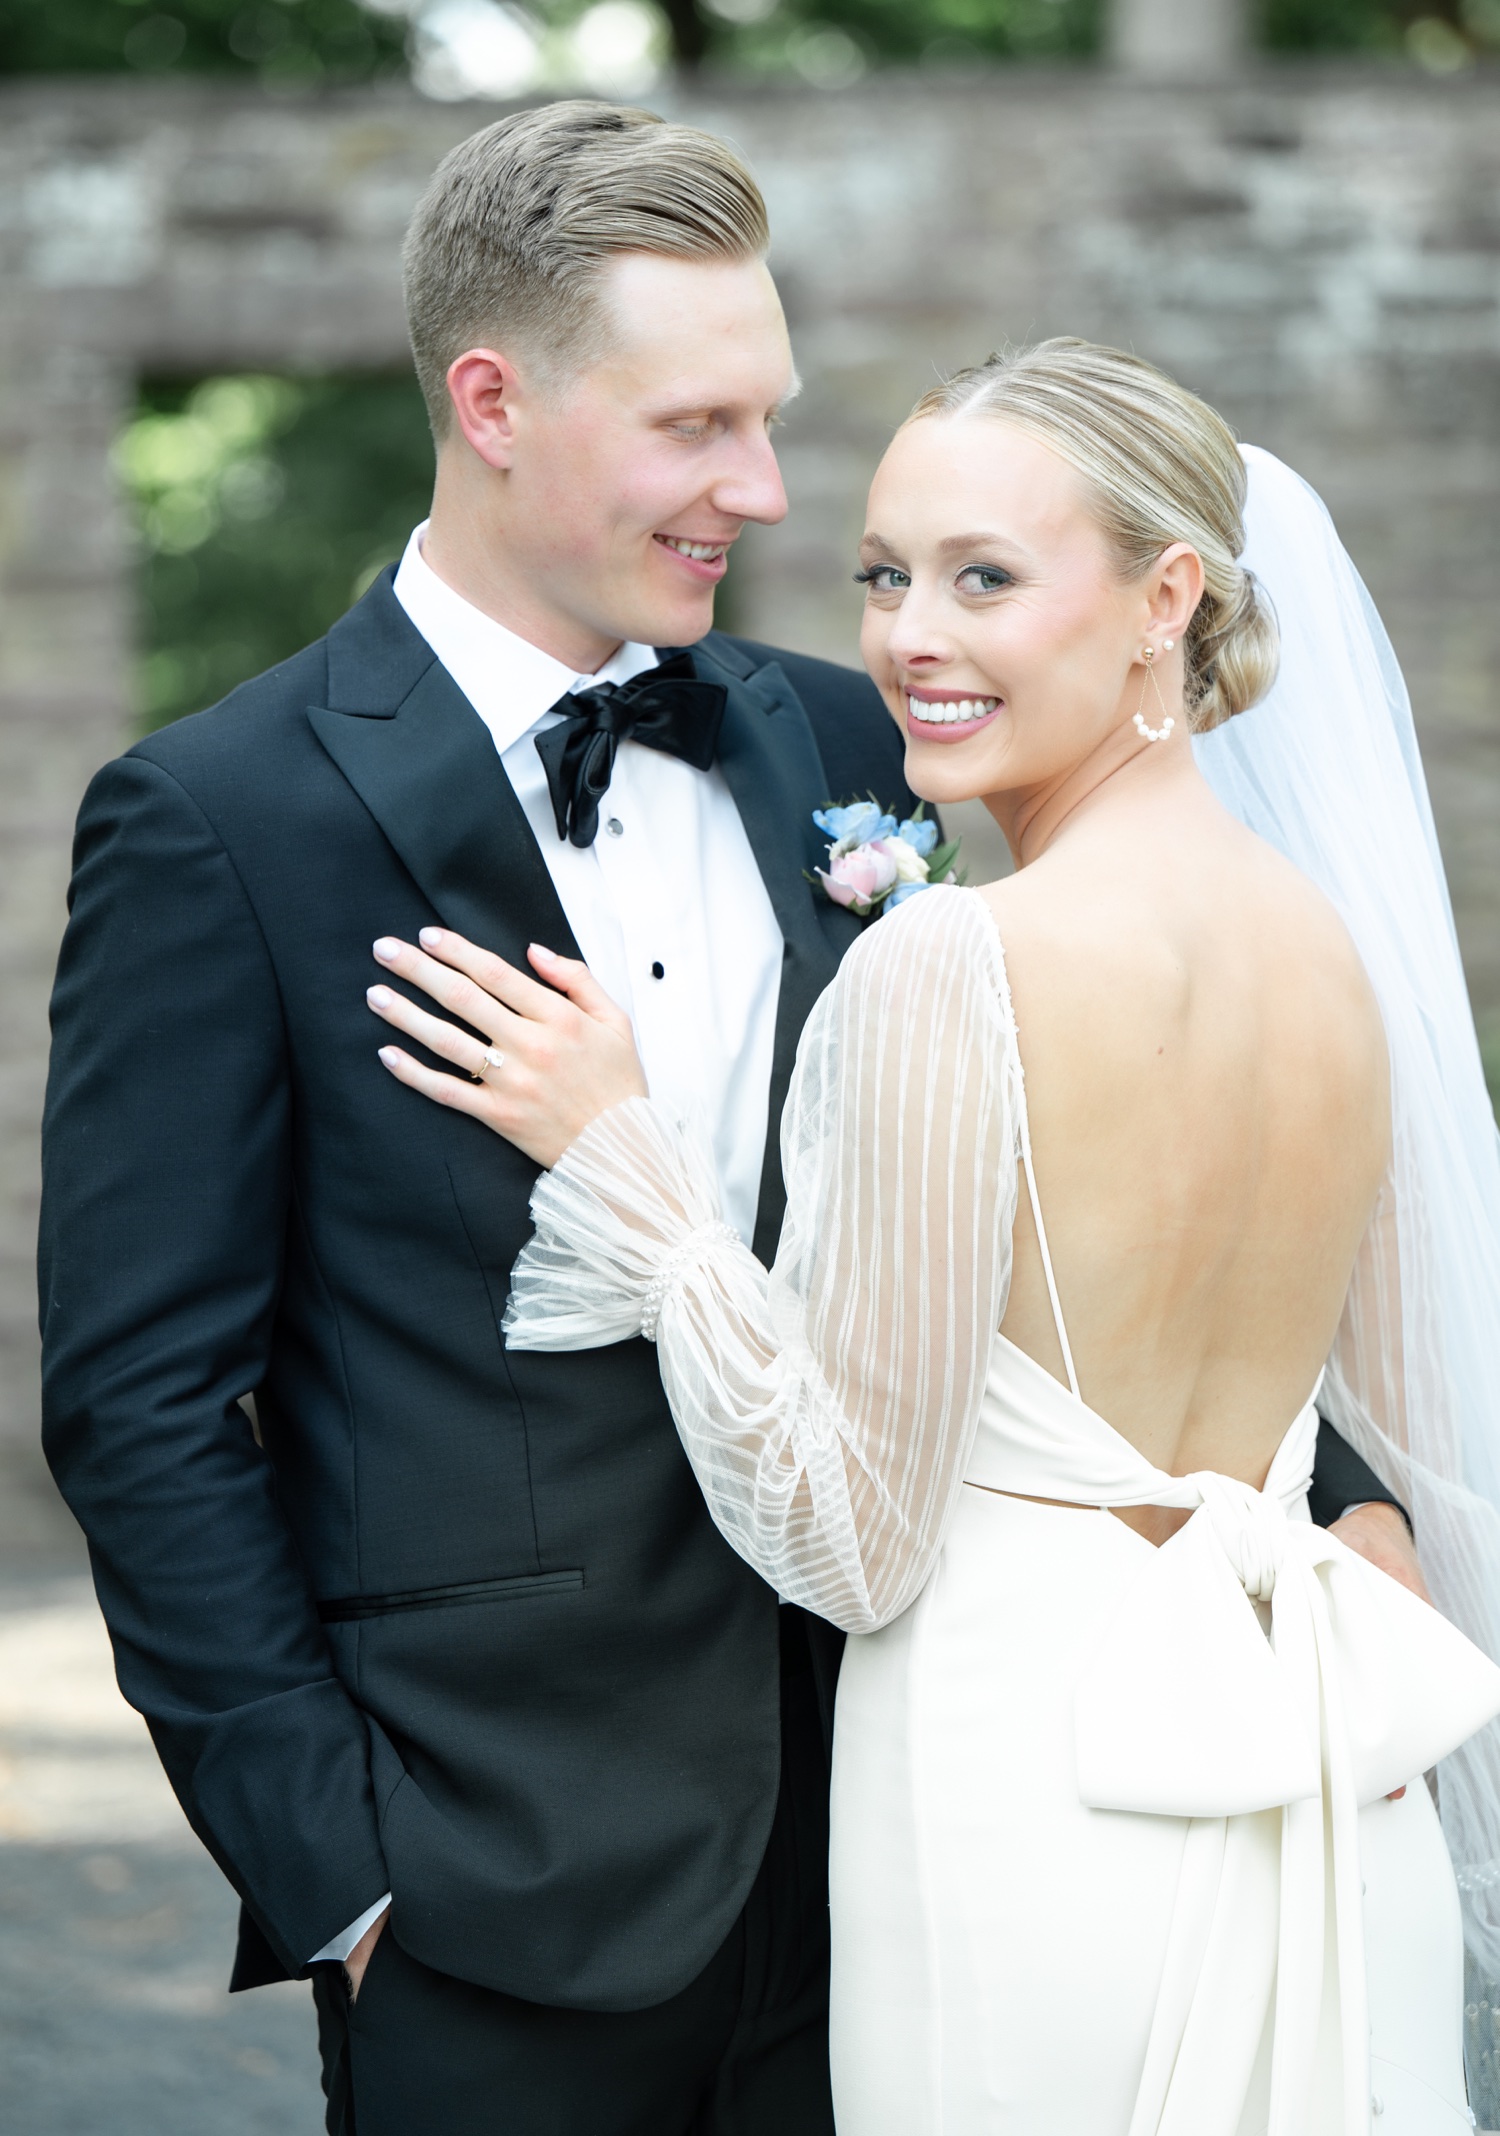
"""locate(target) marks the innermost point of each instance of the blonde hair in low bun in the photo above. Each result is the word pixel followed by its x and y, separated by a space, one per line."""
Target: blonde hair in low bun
pixel 1161 467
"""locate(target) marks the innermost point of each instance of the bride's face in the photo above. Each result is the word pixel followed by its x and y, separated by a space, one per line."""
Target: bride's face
pixel 996 624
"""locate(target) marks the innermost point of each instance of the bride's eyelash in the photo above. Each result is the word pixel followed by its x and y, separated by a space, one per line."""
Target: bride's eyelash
pixel 872 574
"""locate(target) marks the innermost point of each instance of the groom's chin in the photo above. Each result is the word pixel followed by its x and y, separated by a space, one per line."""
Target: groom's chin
pixel 680 620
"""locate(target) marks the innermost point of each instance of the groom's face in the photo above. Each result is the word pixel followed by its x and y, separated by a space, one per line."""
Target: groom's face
pixel 629 482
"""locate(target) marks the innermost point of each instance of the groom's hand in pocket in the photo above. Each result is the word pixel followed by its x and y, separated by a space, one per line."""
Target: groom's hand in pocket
pixel 359 1957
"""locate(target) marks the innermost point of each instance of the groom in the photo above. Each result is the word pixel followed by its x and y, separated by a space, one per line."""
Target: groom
pixel 451 1672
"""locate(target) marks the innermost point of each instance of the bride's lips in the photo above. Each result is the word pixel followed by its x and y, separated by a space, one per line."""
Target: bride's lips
pixel 705 560
pixel 947 715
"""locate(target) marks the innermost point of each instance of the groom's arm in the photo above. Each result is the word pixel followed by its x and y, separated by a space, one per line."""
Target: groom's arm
pixel 166 1185
pixel 1341 1480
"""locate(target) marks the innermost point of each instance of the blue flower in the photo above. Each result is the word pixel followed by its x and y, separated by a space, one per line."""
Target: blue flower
pixel 903 891
pixel 856 825
pixel 922 835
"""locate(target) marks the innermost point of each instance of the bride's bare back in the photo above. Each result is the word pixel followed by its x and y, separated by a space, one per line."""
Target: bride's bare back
pixel 1206 1082
pixel 1205 1066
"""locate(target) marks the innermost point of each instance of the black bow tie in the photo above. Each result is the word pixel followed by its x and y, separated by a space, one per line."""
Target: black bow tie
pixel 667 708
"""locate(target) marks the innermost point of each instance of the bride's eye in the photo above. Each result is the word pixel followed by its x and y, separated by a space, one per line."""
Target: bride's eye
pixel 983 578
pixel 883 578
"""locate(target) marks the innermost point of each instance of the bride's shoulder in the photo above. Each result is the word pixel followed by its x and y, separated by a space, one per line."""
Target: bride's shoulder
pixel 939 913
pixel 939 943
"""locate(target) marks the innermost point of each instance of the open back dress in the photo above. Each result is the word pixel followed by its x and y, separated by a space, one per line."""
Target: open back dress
pixel 1112 1852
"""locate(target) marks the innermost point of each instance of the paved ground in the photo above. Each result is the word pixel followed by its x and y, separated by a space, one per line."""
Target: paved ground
pixel 116 1930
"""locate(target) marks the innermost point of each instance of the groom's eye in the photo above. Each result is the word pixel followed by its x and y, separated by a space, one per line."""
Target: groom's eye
pixel 984 578
pixel 882 578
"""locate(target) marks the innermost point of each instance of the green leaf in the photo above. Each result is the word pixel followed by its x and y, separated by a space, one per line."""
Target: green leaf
pixel 941 859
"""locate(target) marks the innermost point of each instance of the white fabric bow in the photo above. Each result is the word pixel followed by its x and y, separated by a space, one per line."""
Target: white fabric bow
pixel 1255 1678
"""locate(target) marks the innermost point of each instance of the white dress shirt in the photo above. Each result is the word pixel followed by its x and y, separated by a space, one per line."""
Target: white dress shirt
pixel 669 886
pixel 667 906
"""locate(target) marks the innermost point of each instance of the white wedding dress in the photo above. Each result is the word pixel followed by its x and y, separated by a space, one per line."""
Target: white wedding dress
pixel 1111 1853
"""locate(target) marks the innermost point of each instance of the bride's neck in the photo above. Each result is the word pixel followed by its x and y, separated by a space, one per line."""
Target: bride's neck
pixel 1124 774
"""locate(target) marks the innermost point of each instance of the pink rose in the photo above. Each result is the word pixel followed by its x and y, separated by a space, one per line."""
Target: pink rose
pixel 856 879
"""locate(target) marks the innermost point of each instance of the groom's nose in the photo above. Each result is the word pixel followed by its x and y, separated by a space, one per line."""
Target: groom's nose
pixel 748 483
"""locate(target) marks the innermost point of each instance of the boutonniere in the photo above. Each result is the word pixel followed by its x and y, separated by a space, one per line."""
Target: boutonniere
pixel 874 861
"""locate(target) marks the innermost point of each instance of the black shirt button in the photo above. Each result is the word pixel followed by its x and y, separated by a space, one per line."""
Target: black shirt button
pixel 658 970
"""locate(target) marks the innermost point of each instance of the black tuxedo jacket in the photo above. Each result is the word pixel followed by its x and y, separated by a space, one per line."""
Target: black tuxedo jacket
pixel 456 1624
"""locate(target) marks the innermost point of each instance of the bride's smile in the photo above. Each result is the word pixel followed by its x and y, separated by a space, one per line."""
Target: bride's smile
pixel 1009 654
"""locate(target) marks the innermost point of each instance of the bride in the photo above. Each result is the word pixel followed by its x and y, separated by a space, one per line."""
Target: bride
pixel 1096 1177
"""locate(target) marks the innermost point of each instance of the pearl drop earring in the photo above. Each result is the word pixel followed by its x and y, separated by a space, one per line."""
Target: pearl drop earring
pixel 1153 734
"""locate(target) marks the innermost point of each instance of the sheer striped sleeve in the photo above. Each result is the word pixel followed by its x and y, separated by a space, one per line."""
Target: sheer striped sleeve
pixel 828 1405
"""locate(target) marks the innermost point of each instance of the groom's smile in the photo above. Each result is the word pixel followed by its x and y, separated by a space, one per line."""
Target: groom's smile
pixel 707 560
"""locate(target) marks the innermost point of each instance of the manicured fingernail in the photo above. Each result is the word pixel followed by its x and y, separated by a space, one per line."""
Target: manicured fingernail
pixel 387 949
pixel 389 1056
pixel 379 997
pixel 548 956
pixel 430 937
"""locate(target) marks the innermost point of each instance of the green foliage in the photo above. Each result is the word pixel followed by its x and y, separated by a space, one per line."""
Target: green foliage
pixel 265 506
pixel 829 42
pixel 1426 29
pixel 826 39
pixel 283 42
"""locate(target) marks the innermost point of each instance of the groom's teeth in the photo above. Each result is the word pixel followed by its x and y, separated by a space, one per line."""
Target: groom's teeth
pixel 951 709
pixel 702 552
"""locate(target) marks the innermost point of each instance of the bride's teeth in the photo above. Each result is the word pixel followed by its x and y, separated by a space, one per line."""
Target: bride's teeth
pixel 952 710
pixel 702 552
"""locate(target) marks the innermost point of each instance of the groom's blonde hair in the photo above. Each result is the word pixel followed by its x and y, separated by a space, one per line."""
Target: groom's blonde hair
pixel 1161 467
pixel 507 243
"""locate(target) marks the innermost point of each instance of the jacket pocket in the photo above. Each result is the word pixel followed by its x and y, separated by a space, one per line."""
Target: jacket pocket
pixel 346 1609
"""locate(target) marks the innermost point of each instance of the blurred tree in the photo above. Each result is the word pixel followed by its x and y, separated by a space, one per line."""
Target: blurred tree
pixel 1423 27
pixel 290 42
pixel 826 39
pixel 265 506
pixel 829 42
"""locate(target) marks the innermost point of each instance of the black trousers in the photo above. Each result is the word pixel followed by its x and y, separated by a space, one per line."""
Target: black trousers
pixel 742 2051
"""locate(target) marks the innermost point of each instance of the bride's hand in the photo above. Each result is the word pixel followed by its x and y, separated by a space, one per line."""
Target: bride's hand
pixel 560 1053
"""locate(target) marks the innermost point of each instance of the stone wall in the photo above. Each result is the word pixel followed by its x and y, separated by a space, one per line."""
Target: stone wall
pixel 1317 250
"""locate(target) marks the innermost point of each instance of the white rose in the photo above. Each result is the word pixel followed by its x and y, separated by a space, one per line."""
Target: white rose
pixel 910 866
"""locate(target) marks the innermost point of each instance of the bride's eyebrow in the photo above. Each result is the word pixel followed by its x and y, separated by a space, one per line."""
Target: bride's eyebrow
pixel 876 545
pixel 962 544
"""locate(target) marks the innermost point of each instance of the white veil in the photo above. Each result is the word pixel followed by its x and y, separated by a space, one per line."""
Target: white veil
pixel 1327 770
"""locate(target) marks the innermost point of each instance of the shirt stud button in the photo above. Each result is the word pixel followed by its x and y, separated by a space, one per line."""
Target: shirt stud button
pixel 658 970
pixel 615 827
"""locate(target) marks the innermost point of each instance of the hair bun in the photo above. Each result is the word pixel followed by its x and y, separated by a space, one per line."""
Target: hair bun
pixel 1232 651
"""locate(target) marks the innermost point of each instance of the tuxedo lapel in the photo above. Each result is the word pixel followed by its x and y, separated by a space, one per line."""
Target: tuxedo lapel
pixel 770 761
pixel 422 761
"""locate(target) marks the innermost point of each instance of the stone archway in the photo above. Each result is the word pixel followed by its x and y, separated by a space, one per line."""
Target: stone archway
pixel 1317 251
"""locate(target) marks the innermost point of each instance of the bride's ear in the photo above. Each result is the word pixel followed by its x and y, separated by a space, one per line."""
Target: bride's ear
pixel 1173 589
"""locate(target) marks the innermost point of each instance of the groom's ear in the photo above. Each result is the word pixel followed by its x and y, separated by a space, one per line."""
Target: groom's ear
pixel 485 387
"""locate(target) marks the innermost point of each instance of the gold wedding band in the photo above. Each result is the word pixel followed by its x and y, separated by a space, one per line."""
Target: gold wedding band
pixel 492 1057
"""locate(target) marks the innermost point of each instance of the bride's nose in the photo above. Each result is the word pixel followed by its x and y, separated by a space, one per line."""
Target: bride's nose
pixel 915 642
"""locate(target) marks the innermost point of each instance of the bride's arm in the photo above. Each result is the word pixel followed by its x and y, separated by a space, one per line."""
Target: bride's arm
pixel 827 1405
